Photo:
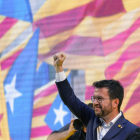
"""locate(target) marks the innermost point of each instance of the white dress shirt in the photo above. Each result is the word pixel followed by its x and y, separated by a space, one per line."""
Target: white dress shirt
pixel 104 128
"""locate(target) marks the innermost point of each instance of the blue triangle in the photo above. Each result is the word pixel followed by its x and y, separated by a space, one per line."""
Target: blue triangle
pixel 18 9
pixel 42 76
pixel 24 68
pixel 51 116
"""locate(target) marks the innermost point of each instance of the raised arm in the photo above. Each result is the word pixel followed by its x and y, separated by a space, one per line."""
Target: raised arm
pixel 64 133
pixel 81 110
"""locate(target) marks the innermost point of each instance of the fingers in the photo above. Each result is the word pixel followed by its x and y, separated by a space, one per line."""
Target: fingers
pixel 62 55
pixel 55 57
pixel 72 120
pixel 59 56
pixel 72 127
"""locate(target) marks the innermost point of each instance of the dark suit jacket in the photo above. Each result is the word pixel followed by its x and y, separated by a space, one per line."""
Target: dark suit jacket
pixel 127 131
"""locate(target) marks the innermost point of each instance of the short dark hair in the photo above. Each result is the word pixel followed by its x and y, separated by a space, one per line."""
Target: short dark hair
pixel 115 89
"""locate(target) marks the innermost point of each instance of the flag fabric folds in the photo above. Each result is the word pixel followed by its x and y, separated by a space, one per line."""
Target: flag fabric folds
pixel 101 41
pixel 19 90
pixel 4 128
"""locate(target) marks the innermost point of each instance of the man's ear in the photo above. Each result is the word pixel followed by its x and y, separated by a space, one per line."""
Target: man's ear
pixel 115 103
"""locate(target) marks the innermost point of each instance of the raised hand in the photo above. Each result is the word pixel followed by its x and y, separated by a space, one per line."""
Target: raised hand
pixel 58 61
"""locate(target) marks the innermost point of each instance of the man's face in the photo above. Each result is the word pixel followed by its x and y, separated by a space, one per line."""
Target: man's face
pixel 104 107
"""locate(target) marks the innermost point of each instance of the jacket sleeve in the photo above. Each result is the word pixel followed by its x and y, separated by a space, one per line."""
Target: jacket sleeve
pixel 78 108
pixel 64 128
pixel 135 135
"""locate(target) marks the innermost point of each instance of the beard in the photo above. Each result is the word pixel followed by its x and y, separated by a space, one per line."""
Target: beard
pixel 103 111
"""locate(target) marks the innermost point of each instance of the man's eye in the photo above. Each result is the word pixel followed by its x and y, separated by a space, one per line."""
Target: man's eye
pixel 99 99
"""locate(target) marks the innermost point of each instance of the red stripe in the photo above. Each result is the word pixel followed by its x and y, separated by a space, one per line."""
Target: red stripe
pixel 71 46
pixel 103 8
pixel 40 131
pixel 6 24
pixel 135 98
pixel 70 19
pixel 9 61
pixel 41 111
pixel 138 124
pixel 61 22
pixel 89 92
pixel 1 115
pixel 117 42
pixel 129 79
pixel 46 92
pixel 132 52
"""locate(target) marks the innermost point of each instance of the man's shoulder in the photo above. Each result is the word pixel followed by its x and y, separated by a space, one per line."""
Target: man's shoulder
pixel 133 130
pixel 130 125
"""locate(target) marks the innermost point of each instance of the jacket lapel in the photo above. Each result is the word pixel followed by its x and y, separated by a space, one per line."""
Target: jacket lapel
pixel 116 128
pixel 97 123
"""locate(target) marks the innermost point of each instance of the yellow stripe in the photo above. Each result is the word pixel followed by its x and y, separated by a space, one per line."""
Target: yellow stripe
pixel 45 45
pixel 133 113
pixel 38 121
pixel 92 26
pixel 21 46
pixel 2 18
pixel 102 22
pixel 38 65
pixel 129 94
pixel 3 110
pixel 126 89
pixel 131 5
pixel 89 27
pixel 113 57
pixel 5 72
pixel 40 138
pixel 12 34
pixel 87 101
pixel 96 62
pixel 80 62
pixel 92 75
pixel 53 7
pixel 44 87
pixel 121 24
pixel 45 100
pixel 128 67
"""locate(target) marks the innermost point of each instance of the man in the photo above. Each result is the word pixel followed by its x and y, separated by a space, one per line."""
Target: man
pixel 106 121
pixel 68 132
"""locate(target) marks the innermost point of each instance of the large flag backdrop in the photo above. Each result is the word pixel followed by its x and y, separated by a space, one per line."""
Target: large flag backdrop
pixel 99 37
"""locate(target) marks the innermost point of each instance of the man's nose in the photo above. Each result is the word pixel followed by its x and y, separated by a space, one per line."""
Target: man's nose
pixel 95 102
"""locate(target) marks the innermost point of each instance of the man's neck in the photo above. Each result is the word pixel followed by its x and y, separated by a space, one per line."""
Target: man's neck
pixel 110 116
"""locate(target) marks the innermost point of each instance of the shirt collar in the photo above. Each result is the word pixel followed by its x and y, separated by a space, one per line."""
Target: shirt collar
pixel 111 122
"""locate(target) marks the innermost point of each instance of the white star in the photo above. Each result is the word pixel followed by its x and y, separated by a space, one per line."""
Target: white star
pixel 60 113
pixel 11 93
